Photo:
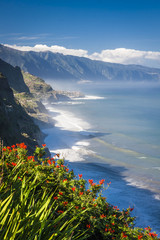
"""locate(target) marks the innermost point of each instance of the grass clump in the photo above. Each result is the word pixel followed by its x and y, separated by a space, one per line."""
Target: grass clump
pixel 41 199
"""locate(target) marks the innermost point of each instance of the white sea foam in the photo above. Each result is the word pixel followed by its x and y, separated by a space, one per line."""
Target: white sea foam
pixel 69 132
pixel 68 121
pixel 68 103
pixel 141 183
pixel 157 168
pixel 157 196
pixel 89 97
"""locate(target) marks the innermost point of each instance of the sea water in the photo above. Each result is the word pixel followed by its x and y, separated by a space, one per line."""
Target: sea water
pixel 113 133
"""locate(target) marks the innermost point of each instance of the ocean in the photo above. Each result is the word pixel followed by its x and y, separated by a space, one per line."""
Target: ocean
pixel 113 133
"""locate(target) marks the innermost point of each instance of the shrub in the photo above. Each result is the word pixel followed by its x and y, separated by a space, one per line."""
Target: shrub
pixel 41 199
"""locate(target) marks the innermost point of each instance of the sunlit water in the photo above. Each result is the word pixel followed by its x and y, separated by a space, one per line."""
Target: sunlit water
pixel 114 134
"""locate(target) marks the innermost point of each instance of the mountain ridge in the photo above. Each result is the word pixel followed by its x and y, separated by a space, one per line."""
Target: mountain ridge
pixel 57 66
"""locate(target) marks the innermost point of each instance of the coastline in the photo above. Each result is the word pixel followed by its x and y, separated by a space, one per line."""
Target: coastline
pixel 72 141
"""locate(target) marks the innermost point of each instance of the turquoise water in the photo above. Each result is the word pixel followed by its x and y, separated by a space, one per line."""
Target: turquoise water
pixel 115 135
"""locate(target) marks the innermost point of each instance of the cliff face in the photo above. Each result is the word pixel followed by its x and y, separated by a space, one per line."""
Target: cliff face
pixel 14 76
pixel 15 124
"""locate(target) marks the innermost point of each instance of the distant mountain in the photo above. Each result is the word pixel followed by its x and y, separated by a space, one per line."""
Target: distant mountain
pixel 57 66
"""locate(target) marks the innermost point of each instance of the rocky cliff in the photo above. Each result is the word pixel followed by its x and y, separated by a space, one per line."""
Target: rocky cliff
pixel 15 124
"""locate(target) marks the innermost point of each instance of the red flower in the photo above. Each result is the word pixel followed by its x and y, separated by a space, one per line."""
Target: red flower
pixel 103 216
pixel 62 165
pixel 140 236
pixel 61 193
pixel 57 166
pixel 67 169
pixel 55 198
pixel 49 162
pixel 80 193
pixel 153 234
pixel 124 235
pixel 60 211
pixel 93 184
pixel 64 180
pixel 65 203
pixel 83 208
pixel 22 145
pixel 76 207
pixel 14 164
pixel 80 175
pixel 73 189
pixel 131 209
pixel 90 181
pixel 102 181
pixel 43 145
pixel 88 225
pixel 13 146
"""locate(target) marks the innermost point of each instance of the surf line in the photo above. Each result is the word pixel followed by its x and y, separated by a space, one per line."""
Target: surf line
pixel 123 150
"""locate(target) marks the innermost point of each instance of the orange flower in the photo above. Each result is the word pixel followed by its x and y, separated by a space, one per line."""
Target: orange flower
pixel 88 225
pixel 60 211
pixel 49 162
pixel 103 216
pixel 65 203
pixel 153 234
pixel 22 145
pixel 131 209
pixel 124 235
pixel 14 164
pixel 67 169
pixel 90 181
pixel 101 181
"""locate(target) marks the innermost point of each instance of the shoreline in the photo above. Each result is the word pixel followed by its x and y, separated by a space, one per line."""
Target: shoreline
pixel 70 142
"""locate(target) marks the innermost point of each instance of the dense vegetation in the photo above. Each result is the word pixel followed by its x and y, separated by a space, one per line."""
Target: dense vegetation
pixel 40 198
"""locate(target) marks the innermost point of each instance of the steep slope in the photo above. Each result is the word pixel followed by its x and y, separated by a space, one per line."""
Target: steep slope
pixel 14 76
pixel 15 124
pixel 57 66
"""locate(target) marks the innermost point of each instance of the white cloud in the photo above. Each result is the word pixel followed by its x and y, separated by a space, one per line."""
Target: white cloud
pixel 54 49
pixel 118 55
pixel 128 56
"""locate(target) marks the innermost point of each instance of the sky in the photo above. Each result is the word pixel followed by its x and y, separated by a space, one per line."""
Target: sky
pixel 123 31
